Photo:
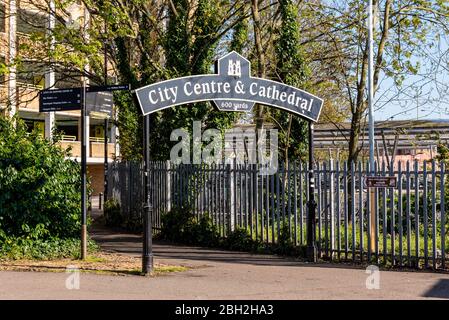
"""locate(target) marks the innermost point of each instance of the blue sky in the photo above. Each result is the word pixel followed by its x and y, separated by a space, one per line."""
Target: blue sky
pixel 430 102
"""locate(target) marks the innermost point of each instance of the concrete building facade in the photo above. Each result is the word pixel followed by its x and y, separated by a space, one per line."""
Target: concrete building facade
pixel 20 86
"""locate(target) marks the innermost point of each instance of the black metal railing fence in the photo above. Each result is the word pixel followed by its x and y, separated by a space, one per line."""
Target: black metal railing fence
pixel 408 226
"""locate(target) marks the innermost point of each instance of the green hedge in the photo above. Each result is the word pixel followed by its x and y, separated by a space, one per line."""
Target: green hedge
pixel 39 186
pixel 181 226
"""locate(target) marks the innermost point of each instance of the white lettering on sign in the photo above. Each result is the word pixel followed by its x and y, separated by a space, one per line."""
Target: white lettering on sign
pixel 226 87
pixel 232 83
pixel 272 92
pixel 211 87
pixel 162 95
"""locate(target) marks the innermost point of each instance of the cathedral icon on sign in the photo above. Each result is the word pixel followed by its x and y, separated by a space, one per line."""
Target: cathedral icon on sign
pixel 234 68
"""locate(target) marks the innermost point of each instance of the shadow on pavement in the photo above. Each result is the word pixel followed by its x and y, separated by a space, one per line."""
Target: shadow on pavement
pixel 121 242
pixel 439 290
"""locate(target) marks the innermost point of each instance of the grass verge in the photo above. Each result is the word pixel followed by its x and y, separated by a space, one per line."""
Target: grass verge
pixel 97 263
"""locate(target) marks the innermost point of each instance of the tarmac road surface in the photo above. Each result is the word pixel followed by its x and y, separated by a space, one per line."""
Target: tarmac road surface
pixel 217 274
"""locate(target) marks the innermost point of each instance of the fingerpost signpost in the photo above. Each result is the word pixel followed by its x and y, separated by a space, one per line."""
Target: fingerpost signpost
pixel 87 99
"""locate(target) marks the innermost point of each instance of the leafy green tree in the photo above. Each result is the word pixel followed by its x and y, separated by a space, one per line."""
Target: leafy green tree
pixel 404 31
pixel 189 46
pixel 291 68
pixel 240 34
pixel 148 41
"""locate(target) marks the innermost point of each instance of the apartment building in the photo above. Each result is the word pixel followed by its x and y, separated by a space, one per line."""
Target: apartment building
pixel 19 88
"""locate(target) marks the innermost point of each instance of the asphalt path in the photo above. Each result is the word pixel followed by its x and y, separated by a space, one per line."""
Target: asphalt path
pixel 217 274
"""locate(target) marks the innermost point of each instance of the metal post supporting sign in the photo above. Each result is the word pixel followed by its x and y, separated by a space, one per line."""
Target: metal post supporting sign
pixel 311 244
pixel 83 176
pixel 105 160
pixel 76 99
pixel 147 254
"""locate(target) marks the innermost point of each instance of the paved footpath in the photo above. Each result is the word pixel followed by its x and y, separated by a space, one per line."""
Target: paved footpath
pixel 223 275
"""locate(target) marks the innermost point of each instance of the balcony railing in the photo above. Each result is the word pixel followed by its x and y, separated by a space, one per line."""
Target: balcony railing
pixel 65 137
pixel 96 149
pixel 97 139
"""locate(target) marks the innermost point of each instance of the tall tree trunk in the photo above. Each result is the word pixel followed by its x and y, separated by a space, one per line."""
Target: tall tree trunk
pixel 360 104
pixel 261 71
pixel 287 146
pixel 356 128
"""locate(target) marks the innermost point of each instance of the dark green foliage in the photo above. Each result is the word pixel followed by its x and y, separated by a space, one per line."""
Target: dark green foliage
pixel 205 232
pixel 40 216
pixel 240 240
pixel 176 40
pixel 39 186
pixel 112 213
pixel 34 248
pixel 291 64
pixel 114 217
pixel 188 46
pixel 133 222
pixel 174 225
pixel 412 213
pixel 443 153
pixel 239 36
pixel 292 69
pixel 189 49
pixel 180 226
pixel 285 240
pixel 285 246
pixel 129 122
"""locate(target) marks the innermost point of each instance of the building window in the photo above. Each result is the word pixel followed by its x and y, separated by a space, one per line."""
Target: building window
pixel 31 73
pixel 29 22
pixel 68 129
pixel 2 17
pixel 35 125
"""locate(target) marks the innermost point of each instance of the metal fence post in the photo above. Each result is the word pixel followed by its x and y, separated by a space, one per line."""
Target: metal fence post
pixel 168 186
pixel 443 217
pixel 231 199
pixel 311 242
pixel 332 206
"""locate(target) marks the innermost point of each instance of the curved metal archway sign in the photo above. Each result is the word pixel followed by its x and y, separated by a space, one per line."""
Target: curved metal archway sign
pixel 231 88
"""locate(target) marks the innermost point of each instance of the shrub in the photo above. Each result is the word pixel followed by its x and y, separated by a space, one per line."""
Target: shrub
pixel 14 248
pixel 180 225
pixel 239 240
pixel 175 223
pixel 112 215
pixel 133 221
pixel 39 185
pixel 205 232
